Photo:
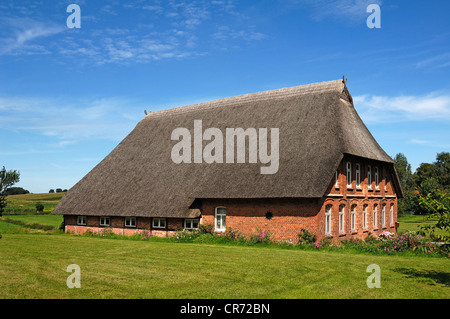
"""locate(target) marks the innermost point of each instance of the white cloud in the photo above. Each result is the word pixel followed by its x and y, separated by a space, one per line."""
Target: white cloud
pixel 400 108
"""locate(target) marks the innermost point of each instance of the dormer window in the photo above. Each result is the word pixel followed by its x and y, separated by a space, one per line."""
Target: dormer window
pixel 377 186
pixel 369 177
pixel 358 176
pixel 349 175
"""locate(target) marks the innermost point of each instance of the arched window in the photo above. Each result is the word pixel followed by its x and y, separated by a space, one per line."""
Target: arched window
pixel 364 219
pixel 349 174
pixel 369 176
pixel 353 218
pixel 341 218
pixel 375 213
pixel 391 215
pixel 220 218
pixel 383 216
pixel 358 176
pixel 328 220
pixel 376 178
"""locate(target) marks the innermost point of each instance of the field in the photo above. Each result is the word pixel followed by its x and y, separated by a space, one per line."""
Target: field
pixel 34 263
pixel 26 204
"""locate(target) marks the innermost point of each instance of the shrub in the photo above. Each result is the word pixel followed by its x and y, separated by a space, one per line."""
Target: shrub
pixel 305 237
pixel 39 207
pixel 261 237
pixel 206 228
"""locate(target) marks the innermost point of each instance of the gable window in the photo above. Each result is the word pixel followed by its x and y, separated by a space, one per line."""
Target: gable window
pixel 336 179
pixel 364 221
pixel 159 223
pixel 104 221
pixel 391 212
pixel 191 223
pixel 341 218
pixel 375 207
pixel 81 220
pixel 130 221
pixel 328 220
pixel 376 178
pixel 349 175
pixel 369 176
pixel 220 218
pixel 358 176
pixel 353 218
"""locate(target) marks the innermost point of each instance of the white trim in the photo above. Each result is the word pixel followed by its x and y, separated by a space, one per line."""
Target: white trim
pixel 353 218
pixel 375 216
pixel 191 222
pixel 383 216
pixel 358 175
pixel 341 218
pixel 159 222
pixel 105 224
pixel 369 177
pixel 222 220
pixel 131 222
pixel 377 179
pixel 349 174
pixel 328 219
pixel 81 220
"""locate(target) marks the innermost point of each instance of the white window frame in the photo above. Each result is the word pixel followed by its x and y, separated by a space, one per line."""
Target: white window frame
pixel 103 220
pixel 336 179
pixel 220 215
pixel 341 219
pixel 358 175
pixel 375 216
pixel 377 181
pixel 364 225
pixel 81 220
pixel 383 216
pixel 159 223
pixel 353 218
pixel 391 212
pixel 369 177
pixel 130 222
pixel 349 175
pixel 189 223
pixel 328 219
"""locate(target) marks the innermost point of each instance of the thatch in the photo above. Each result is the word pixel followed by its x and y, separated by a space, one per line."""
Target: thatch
pixel 317 124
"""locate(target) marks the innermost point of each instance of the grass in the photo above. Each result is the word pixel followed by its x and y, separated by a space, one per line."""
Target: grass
pixel 413 223
pixel 34 266
pixel 51 220
pixel 26 203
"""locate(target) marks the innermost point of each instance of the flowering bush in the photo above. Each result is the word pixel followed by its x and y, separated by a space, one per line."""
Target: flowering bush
pixel 146 234
pixel 261 237
pixel 305 237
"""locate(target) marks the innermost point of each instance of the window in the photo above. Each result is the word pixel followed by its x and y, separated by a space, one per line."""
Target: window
pixel 364 217
pixel 385 183
pixel 130 221
pixel 159 223
pixel 383 216
pixel 328 220
pixel 341 218
pixel 104 221
pixel 81 220
pixel 375 207
pixel 391 214
pixel 349 174
pixel 336 179
pixel 353 218
pixel 369 176
pixel 220 219
pixel 376 178
pixel 358 176
pixel 191 223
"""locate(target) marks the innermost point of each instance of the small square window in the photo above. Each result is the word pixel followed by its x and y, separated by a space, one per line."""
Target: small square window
pixel 159 223
pixel 191 223
pixel 130 221
pixel 104 221
pixel 81 220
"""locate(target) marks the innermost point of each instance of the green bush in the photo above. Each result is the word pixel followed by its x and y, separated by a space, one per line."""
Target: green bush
pixel 305 237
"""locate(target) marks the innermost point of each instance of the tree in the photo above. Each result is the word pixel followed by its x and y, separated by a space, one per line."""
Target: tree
pixel 39 207
pixel 16 191
pixel 443 166
pixel 403 169
pixel 51 191
pixel 7 179
pixel 59 190
pixel 438 208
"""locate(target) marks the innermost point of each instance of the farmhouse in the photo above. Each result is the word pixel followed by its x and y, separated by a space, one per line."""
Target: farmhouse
pixel 331 178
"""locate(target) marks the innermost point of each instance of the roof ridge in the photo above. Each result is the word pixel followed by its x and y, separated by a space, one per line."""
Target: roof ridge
pixel 335 85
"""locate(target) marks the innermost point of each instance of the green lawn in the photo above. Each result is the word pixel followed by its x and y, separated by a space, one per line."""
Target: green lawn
pixel 412 223
pixel 34 266
pixel 52 220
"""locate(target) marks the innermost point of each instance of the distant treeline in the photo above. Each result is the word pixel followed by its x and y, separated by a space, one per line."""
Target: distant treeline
pixel 16 191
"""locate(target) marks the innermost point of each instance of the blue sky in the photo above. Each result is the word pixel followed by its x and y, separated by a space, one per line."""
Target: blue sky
pixel 69 96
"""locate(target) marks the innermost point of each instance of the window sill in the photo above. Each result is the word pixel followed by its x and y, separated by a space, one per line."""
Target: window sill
pixel 354 232
pixel 359 188
pixel 349 188
pixel 370 189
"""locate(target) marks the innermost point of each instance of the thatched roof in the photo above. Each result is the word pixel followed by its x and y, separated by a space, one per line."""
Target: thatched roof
pixel 317 125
